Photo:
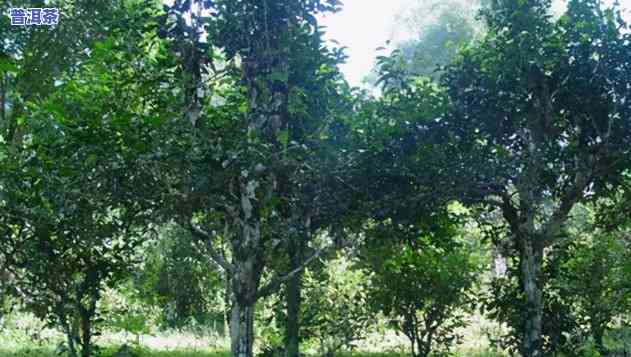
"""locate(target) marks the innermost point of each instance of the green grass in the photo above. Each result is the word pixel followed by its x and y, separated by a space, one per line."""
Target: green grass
pixel 30 352
pixel 111 351
pixel 461 353
pixel 184 353
pixel 144 352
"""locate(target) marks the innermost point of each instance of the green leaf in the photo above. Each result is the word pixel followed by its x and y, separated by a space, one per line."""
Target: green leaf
pixel 283 137
pixel 279 76
pixel 7 66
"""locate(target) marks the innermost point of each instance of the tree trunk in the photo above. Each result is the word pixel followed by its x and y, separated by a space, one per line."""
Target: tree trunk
pixel 3 91
pixel 71 337
pixel 86 336
pixel 292 345
pixel 242 329
pixel 228 300
pixel 599 334
pixel 247 265
pixel 293 299
pixel 531 262
pixel 244 289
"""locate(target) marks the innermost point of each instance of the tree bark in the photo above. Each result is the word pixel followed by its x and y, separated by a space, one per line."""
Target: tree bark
pixel 3 91
pixel 247 265
pixel 531 262
pixel 599 343
pixel 229 302
pixel 86 336
pixel 244 289
pixel 293 299
pixel 70 336
pixel 242 329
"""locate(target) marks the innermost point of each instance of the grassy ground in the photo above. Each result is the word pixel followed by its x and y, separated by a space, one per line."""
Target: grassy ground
pixel 23 335
pixel 110 352
pixel 21 341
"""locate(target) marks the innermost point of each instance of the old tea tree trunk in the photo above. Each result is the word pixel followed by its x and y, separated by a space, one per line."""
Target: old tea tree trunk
pixel 530 245
pixel 256 37
pixel 256 189
pixel 546 101
pixel 253 186
pixel 247 267
pixel 533 231
pixel 293 301
pixel 531 259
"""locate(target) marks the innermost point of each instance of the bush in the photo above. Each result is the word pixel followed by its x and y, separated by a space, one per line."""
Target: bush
pixel 336 313
pixel 179 279
pixel 423 284
pixel 595 275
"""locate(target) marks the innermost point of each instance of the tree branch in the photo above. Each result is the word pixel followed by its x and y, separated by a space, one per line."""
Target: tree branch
pixel 208 239
pixel 275 283
pixel 509 212
pixel 571 197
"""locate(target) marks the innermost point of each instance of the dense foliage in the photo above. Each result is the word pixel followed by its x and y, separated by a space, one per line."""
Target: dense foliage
pixel 205 164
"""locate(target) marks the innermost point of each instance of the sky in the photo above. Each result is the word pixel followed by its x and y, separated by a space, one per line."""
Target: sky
pixel 364 25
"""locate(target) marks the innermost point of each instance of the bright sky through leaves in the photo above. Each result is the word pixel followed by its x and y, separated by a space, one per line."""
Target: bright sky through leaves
pixel 365 25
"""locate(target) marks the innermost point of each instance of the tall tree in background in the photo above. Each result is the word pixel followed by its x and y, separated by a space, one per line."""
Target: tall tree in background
pixel 439 28
pixel 543 108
